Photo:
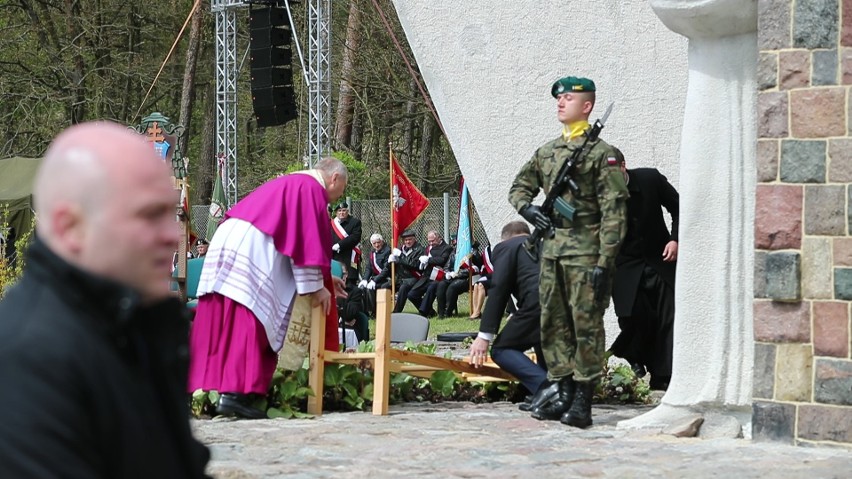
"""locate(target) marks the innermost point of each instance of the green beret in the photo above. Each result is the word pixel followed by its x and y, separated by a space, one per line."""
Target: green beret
pixel 575 84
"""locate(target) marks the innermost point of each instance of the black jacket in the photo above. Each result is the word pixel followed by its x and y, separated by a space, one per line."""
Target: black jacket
pixel 515 274
pixel 352 226
pixel 438 255
pixel 380 258
pixel 646 236
pixel 94 384
pixel 408 266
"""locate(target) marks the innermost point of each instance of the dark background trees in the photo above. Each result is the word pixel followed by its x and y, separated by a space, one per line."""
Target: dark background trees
pixel 69 61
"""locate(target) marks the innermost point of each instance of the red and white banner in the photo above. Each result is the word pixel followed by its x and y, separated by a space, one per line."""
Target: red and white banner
pixel 407 202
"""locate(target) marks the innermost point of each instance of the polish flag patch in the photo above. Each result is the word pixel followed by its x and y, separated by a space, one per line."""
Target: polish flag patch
pixel 611 161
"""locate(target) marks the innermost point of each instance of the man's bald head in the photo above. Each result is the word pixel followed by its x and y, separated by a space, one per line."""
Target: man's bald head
pixel 105 203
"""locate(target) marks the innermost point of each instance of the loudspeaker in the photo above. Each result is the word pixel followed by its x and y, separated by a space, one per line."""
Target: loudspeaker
pixel 273 98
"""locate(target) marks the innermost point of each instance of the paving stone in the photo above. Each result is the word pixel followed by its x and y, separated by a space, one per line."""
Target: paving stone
pixel 767 160
pixel 463 440
pixel 826 423
pixel 718 426
pixel 843 283
pixel 818 112
pixel 816 268
pixel 767 71
pixel 831 329
pixel 778 217
pixel 760 274
pixel 794 372
pixel 794 69
pixel 772 114
pixel 778 322
pixel 846 24
pixel 842 249
pixel 840 160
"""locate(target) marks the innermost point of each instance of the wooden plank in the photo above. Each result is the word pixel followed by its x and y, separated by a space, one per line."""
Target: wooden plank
pixel 381 365
pixel 316 361
pixel 450 364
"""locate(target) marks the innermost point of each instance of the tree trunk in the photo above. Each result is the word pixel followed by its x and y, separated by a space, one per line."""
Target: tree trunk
pixel 409 120
pixel 188 91
pixel 76 75
pixel 346 100
pixel 207 157
pixel 430 130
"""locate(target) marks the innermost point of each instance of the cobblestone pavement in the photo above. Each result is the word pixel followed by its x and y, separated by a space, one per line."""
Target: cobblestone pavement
pixel 464 440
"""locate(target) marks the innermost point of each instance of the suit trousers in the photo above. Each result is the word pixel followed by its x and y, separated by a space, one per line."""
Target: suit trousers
pixel 516 362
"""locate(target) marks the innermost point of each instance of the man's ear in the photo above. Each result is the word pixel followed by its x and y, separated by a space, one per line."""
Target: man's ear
pixel 68 225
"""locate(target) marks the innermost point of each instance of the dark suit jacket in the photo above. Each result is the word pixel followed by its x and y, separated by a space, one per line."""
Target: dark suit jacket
pixel 406 267
pixel 515 274
pixel 647 235
pixel 380 257
pixel 438 257
pixel 352 226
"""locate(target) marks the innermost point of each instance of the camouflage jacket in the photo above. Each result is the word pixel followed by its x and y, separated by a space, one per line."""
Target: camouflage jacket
pixel 600 219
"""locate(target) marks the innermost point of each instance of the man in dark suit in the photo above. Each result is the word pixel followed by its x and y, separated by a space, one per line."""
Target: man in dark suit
pixel 432 263
pixel 346 235
pixel 377 260
pixel 408 271
pixel 643 290
pixel 515 274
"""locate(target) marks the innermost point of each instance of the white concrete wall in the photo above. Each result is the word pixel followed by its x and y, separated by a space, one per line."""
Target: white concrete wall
pixel 489 65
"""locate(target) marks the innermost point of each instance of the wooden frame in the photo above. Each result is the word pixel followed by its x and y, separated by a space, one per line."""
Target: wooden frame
pixel 385 359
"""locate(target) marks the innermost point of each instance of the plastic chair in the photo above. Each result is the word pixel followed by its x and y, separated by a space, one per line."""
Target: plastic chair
pixel 408 327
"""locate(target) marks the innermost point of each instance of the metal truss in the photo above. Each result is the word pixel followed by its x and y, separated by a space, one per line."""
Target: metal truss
pixel 227 70
pixel 226 91
pixel 319 79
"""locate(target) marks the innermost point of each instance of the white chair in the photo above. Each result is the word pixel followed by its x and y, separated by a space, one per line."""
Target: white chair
pixel 408 327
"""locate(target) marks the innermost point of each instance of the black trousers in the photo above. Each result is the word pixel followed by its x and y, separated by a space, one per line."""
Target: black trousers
pixel 646 336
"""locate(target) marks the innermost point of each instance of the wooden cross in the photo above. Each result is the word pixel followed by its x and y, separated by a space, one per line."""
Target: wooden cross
pixel 155 133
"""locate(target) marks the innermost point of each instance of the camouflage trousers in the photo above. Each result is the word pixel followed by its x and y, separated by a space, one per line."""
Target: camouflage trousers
pixel 572 328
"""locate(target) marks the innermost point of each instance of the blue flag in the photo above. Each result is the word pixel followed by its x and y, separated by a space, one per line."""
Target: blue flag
pixel 463 239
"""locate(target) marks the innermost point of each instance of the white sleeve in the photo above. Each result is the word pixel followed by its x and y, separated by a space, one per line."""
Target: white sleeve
pixel 486 336
pixel 308 278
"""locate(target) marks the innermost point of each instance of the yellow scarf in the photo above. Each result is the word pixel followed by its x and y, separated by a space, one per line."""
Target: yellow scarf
pixel 573 130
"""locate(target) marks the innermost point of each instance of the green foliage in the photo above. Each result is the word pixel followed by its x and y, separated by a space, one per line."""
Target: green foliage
pixel 350 388
pixel 620 385
pixel 11 269
pixel 288 394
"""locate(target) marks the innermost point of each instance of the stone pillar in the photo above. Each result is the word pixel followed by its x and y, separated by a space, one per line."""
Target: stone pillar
pixel 803 287
pixel 713 340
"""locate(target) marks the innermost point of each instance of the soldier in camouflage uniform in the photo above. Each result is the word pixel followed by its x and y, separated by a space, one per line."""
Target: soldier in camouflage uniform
pixel 577 264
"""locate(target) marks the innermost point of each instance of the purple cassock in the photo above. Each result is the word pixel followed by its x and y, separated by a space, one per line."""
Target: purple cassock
pixel 247 284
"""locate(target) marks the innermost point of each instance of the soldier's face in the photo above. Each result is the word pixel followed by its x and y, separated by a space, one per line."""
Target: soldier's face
pixel 571 107
pixel 377 245
pixel 408 241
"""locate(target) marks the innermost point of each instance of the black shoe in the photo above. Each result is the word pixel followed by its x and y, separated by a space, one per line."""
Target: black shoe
pixel 238 405
pixel 541 397
pixel 553 409
pixel 639 370
pixel 659 383
pixel 580 413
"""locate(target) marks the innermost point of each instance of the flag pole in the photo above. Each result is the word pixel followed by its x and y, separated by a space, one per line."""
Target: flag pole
pixel 393 222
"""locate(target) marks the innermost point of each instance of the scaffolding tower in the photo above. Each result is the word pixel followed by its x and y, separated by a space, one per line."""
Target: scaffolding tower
pixel 227 70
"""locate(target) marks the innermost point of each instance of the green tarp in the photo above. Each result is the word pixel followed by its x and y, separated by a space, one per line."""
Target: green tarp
pixel 16 188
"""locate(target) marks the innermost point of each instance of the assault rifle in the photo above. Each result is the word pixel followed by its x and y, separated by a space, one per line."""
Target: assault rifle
pixel 564 180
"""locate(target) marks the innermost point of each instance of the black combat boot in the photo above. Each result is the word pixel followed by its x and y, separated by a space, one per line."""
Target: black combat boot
pixel 541 397
pixel 553 409
pixel 580 413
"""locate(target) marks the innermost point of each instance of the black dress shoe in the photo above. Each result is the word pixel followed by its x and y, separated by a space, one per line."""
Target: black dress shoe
pixel 639 370
pixel 659 383
pixel 238 405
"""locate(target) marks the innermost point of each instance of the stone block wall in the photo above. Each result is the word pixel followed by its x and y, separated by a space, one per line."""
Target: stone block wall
pixel 803 223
